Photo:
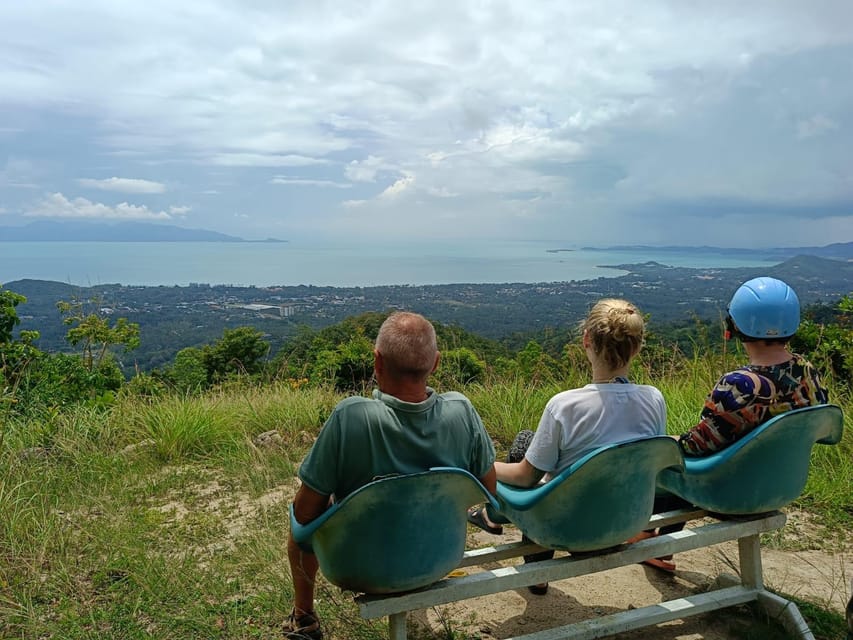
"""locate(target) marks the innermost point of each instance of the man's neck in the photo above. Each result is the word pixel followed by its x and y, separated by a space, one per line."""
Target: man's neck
pixel 407 392
pixel 766 355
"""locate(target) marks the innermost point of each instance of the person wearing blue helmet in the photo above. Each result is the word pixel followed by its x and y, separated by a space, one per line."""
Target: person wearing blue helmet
pixel 763 314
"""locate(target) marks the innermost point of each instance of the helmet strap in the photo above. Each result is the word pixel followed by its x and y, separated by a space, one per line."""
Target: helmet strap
pixel 731 330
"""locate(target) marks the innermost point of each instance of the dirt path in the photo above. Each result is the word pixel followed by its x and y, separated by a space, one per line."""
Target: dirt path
pixel 823 578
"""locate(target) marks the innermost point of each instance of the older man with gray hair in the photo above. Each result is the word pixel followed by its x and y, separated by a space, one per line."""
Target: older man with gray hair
pixel 406 427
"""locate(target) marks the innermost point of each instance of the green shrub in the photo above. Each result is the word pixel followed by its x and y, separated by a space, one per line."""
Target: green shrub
pixel 461 367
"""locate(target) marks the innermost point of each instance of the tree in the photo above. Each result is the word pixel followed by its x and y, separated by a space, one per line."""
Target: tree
pixel 63 379
pixel 95 334
pixel 536 365
pixel 238 351
pixel 349 366
pixel 461 366
pixel 16 355
pixel 189 372
pixel 828 342
pixel 8 314
pixel 341 354
pixel 355 364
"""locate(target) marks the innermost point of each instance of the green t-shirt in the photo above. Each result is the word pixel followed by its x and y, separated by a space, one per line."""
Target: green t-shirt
pixel 366 438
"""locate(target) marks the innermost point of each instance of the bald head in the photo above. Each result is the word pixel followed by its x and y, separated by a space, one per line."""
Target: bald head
pixel 407 344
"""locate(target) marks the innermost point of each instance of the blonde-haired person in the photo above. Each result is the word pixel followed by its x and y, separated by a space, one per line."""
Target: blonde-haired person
pixel 608 410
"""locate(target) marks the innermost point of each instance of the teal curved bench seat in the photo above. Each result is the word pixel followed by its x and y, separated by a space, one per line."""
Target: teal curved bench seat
pixel 394 534
pixel 764 470
pixel 598 502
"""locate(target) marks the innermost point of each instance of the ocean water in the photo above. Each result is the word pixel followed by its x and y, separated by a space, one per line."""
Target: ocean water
pixel 262 264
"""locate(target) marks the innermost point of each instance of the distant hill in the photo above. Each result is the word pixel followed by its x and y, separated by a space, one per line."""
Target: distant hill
pixel 174 317
pixel 53 231
pixel 836 251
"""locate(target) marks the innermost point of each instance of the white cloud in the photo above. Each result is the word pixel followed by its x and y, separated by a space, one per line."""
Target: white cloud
pixel 525 142
pixel 364 170
pixel 180 211
pixel 399 187
pixel 306 182
pixel 441 192
pixel 264 160
pixel 56 205
pixel 123 185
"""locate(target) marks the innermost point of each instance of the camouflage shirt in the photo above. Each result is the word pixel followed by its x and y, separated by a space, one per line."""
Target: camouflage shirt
pixel 748 397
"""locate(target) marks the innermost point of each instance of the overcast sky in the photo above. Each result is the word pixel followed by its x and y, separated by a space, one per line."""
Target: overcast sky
pixel 599 122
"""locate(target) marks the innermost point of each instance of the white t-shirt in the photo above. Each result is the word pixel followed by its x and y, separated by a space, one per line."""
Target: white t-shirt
pixel 579 420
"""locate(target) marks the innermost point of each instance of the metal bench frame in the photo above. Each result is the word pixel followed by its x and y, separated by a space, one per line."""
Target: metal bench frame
pixel 750 587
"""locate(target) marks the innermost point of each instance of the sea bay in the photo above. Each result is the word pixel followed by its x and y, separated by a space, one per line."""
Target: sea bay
pixel 269 264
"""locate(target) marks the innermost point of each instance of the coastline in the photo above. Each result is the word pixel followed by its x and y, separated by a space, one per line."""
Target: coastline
pixel 264 263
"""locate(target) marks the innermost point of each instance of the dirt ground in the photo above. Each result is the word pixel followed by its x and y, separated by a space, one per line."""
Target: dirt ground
pixel 820 577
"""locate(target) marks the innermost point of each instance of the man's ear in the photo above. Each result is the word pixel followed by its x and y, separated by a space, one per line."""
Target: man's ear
pixel 437 360
pixel 378 364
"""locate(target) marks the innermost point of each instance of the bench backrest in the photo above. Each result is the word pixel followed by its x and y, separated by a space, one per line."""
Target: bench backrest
pixel 764 470
pixel 396 533
pixel 598 502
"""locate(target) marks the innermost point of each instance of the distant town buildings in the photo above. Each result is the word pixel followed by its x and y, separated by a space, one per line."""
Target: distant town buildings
pixel 283 310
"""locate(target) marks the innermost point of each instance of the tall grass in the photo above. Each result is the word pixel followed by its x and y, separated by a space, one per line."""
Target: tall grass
pixel 162 518
pixel 180 537
pixel 508 407
pixel 186 427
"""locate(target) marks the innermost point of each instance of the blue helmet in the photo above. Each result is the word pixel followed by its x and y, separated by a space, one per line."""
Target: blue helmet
pixel 764 309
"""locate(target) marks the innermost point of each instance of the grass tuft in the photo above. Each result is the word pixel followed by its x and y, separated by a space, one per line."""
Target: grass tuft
pixel 188 428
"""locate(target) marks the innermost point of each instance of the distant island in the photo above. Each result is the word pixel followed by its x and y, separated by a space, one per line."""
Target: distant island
pixel 558 250
pixel 836 251
pixel 44 231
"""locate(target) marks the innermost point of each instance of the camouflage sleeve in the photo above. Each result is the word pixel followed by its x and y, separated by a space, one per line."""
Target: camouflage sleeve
pixel 817 393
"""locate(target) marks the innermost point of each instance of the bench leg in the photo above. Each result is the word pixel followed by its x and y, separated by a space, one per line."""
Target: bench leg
pixel 397 626
pixel 749 554
pixel 783 611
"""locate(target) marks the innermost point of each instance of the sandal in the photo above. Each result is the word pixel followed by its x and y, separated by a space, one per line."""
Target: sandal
pixel 643 535
pixel 305 626
pixel 477 516
pixel 664 563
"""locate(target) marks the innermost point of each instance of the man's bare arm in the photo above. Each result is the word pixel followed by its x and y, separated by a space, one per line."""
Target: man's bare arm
pixel 308 504
pixel 490 481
